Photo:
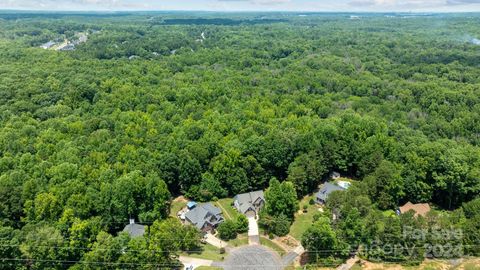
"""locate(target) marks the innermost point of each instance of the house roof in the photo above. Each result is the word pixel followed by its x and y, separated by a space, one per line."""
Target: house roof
pixel 245 201
pixel 420 208
pixel 246 207
pixel 198 216
pixel 135 230
pixel 211 209
pixel 326 189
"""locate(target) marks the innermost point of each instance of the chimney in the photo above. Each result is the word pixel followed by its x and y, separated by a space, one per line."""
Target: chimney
pixel 132 221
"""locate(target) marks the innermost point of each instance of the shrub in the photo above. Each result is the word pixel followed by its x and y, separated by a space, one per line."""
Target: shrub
pixel 227 230
pixel 241 224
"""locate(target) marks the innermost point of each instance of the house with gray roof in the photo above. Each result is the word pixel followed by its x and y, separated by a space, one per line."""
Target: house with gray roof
pixel 250 202
pixel 134 229
pixel 325 191
pixel 205 217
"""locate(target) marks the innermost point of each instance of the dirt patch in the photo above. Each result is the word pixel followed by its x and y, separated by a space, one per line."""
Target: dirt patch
pixel 286 242
pixel 427 264
pixel 180 199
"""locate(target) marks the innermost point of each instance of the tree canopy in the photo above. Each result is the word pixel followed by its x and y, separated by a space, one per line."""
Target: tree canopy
pixel 210 105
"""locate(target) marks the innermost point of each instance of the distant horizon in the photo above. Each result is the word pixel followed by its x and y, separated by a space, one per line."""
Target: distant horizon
pixel 347 6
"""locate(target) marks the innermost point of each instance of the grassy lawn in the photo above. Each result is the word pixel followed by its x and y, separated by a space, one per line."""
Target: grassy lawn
pixel 356 267
pixel 209 252
pixel 471 266
pixel 176 206
pixel 241 240
pixel 208 268
pixel 226 205
pixel 269 243
pixel 304 220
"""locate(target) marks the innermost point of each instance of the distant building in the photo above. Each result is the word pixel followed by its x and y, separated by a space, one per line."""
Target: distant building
pixel 334 175
pixel 67 47
pixel 325 191
pixel 420 209
pixel 48 45
pixel 249 203
pixel 82 38
pixel 205 217
pixel 134 230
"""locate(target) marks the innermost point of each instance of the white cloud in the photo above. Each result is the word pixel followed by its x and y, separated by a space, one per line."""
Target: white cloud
pixel 266 5
pixel 402 4
pixel 260 2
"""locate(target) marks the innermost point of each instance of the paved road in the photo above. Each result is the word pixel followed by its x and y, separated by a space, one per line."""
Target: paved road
pixel 348 264
pixel 195 262
pixel 214 241
pixel 251 258
pixel 292 255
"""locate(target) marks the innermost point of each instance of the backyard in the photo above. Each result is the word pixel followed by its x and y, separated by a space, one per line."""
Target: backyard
pixel 225 205
pixel 177 204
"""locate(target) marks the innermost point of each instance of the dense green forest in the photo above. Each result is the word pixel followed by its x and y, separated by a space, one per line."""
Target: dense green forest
pixel 208 105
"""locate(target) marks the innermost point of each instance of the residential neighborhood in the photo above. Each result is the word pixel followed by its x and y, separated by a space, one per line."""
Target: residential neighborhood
pixel 282 251
pixel 66 44
pixel 255 246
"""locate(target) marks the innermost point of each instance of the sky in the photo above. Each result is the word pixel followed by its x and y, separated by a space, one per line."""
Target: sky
pixel 247 5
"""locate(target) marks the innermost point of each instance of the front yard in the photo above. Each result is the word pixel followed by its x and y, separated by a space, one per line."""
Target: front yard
pixel 209 252
pixel 272 245
pixel 241 240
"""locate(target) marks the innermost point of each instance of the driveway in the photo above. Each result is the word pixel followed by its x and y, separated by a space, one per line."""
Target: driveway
pixel 195 262
pixel 253 236
pixel 251 258
pixel 214 241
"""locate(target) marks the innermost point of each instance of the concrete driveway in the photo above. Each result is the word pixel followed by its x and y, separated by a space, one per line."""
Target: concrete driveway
pixel 195 262
pixel 252 226
pixel 251 258
pixel 214 241
pixel 253 235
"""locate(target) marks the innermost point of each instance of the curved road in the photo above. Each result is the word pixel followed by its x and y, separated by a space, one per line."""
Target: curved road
pixel 251 258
